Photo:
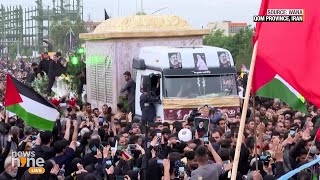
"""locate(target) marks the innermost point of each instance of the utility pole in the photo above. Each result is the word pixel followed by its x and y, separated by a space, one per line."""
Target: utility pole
pixel 136 7
pixel 118 7
pixel 49 14
pixel 141 6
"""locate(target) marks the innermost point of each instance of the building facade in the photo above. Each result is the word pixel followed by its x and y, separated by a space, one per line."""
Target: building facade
pixel 91 25
pixel 228 27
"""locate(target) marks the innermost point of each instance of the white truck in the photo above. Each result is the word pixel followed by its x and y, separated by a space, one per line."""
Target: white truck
pixel 187 78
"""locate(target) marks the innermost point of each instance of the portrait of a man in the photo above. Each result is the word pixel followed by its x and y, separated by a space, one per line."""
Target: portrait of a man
pixel 175 60
pixel 202 126
pixel 224 59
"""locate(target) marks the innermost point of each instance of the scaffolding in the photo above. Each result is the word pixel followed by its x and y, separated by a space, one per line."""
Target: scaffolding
pixel 28 28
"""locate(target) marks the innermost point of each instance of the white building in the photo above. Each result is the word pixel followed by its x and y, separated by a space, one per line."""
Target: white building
pixel 228 27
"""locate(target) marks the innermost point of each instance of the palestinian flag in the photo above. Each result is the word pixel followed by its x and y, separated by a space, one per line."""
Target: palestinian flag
pixel 31 107
pixel 286 66
pixel 271 84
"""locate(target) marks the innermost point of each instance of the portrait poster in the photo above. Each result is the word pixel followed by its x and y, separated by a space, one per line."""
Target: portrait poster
pixel 224 59
pixel 200 62
pixel 201 126
pixel 175 60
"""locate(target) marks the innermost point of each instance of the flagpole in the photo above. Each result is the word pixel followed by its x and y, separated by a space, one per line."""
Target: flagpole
pixel 244 114
pixel 255 131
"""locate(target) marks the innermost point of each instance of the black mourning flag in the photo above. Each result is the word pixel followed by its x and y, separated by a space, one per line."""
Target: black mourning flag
pixel 106 16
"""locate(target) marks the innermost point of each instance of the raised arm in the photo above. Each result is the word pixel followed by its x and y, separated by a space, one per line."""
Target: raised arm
pixel 215 155
pixel 73 144
pixel 125 88
pixel 67 133
pixel 261 128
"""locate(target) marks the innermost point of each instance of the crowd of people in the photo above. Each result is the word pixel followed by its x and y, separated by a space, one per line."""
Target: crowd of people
pixel 104 143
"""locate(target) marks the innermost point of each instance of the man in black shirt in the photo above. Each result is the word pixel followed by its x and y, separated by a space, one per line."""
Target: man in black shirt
pixel 81 76
pixel 32 75
pixel 148 108
pixel 42 147
pixel 130 87
pixel 44 64
pixel 54 71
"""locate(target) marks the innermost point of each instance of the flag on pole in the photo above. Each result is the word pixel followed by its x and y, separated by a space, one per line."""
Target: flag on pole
pixel 106 16
pixel 125 154
pixel 31 107
pixel 287 58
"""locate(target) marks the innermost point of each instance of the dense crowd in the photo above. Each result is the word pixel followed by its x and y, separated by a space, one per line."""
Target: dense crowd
pixel 103 143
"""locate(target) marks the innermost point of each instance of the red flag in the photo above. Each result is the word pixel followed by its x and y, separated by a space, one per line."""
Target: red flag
pixel 262 12
pixel 12 95
pixel 318 135
pixel 290 49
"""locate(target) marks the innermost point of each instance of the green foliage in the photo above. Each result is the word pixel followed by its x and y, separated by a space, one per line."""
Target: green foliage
pixel 13 51
pixel 40 84
pixel 59 31
pixel 26 51
pixel 125 104
pixel 239 45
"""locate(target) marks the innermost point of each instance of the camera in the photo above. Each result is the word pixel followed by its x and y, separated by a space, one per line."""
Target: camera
pixel 132 146
pixel 206 140
pixel 159 139
pixel 160 161
pixel 265 158
pixel 109 162
pixel 181 172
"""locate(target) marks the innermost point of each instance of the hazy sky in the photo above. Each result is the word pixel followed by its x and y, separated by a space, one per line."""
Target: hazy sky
pixel 197 12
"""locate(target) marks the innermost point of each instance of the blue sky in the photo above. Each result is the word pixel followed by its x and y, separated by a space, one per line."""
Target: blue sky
pixel 197 12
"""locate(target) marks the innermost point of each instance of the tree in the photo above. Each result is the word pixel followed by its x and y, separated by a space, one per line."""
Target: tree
pixel 59 30
pixel 239 45
pixel 12 51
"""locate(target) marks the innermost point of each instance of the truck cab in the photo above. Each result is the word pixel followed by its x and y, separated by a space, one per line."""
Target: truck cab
pixel 185 79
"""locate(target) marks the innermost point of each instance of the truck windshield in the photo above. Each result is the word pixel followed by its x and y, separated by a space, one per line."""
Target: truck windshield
pixel 200 87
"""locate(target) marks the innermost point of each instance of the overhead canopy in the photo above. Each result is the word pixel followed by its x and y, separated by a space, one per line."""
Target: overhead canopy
pixel 143 26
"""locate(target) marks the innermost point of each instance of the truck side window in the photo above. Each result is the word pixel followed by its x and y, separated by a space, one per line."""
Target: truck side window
pixel 155 85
